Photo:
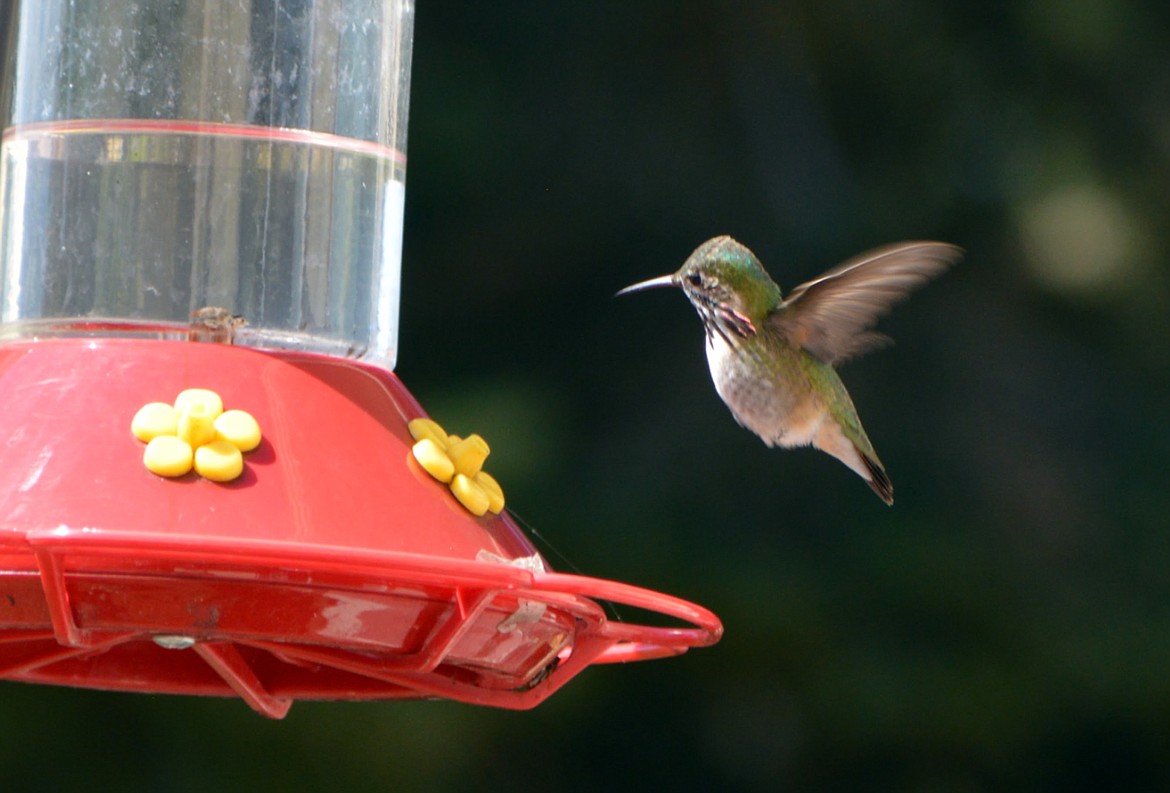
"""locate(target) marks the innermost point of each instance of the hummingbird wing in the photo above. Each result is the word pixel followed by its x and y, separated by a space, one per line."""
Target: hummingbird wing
pixel 830 315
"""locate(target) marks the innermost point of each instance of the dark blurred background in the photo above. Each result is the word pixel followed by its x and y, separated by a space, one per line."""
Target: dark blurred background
pixel 1005 626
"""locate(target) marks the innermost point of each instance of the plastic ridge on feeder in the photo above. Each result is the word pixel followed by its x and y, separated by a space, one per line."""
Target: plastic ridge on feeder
pixel 334 567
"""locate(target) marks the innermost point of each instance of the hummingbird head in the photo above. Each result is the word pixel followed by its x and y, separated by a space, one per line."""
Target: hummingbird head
pixel 727 286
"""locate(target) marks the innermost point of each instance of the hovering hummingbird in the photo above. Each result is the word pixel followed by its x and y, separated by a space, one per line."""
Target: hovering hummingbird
pixel 772 357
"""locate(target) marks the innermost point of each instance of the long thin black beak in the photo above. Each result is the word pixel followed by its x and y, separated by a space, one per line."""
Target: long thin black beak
pixel 662 280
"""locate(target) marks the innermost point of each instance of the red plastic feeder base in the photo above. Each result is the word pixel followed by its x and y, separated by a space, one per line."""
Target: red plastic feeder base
pixel 333 568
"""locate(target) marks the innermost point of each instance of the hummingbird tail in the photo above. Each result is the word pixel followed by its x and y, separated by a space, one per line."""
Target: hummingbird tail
pixel 851 449
pixel 878 480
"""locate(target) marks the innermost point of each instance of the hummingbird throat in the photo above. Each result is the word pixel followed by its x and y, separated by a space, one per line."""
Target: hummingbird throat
pixel 730 325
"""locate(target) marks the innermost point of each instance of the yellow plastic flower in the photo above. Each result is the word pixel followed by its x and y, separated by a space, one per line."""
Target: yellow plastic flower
pixel 195 432
pixel 457 462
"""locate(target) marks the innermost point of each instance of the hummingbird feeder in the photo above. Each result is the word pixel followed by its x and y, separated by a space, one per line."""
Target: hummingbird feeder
pixel 212 482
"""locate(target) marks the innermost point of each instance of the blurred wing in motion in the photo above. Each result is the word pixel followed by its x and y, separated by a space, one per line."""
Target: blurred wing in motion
pixel 830 316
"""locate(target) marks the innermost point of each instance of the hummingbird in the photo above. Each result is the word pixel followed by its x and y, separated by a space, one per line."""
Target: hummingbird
pixel 773 358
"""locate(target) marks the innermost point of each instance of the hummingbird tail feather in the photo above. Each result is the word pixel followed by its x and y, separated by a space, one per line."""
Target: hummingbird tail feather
pixel 878 480
pixel 832 439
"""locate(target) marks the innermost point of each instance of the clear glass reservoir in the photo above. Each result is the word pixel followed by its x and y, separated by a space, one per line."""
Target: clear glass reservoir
pixel 234 167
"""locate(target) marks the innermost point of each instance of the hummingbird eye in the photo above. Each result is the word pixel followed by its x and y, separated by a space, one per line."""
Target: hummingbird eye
pixel 694 279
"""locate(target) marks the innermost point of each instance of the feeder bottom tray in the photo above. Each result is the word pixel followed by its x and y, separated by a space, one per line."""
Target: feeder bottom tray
pixel 334 568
